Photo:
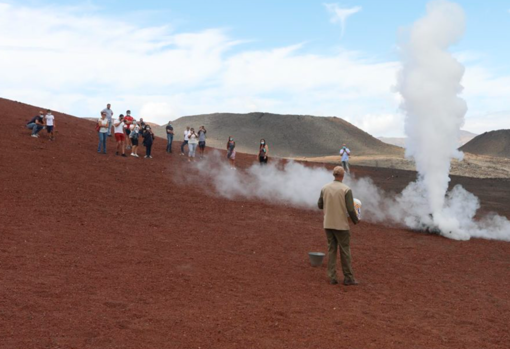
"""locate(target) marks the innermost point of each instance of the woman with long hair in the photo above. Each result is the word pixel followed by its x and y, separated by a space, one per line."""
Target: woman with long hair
pixel 263 152
pixel 231 152
pixel 192 144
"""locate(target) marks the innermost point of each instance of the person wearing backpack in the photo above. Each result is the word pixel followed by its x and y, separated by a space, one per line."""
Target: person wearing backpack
pixel 102 131
pixel 133 136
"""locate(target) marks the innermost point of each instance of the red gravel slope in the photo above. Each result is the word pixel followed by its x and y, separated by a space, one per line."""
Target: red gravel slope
pixel 98 251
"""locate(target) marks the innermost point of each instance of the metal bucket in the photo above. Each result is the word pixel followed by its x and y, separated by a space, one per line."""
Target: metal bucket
pixel 316 258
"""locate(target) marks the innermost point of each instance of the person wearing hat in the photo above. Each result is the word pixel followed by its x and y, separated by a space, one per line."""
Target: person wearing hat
pixel 337 202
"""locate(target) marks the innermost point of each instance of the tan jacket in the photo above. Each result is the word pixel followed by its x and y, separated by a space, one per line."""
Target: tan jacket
pixel 337 202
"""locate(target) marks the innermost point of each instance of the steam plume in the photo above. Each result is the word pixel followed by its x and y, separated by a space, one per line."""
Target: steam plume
pixel 429 84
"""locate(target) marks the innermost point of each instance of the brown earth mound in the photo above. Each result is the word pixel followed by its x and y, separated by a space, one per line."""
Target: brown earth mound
pixel 287 135
pixel 99 251
pixel 494 143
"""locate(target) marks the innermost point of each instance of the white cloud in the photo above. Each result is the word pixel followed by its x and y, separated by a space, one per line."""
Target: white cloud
pixel 339 14
pixel 487 122
pixel 76 61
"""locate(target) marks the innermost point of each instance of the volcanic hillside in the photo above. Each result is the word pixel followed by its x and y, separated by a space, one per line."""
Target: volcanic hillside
pixel 494 143
pixel 100 251
pixel 287 135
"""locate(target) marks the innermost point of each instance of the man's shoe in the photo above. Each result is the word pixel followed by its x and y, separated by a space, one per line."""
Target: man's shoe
pixel 35 136
pixel 124 155
pixel 350 282
pixel 333 282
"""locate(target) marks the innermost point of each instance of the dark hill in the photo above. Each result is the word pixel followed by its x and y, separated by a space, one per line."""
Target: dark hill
pixel 287 135
pixel 494 143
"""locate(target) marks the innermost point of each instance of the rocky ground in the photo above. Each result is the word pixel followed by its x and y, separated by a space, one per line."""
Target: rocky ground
pixel 100 251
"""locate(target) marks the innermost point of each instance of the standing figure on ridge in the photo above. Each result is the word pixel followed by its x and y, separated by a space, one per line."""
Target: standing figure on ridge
pixel 186 138
pixel 263 152
pixel 109 116
pixel 49 121
pixel 169 136
pixel 345 153
pixel 231 152
pixel 201 140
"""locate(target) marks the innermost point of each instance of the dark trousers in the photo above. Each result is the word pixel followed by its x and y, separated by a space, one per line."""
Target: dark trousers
pixel 263 160
pixel 339 239
pixel 182 146
pixel 148 149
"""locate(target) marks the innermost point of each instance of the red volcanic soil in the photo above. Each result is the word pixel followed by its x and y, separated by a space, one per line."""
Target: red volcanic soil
pixel 100 251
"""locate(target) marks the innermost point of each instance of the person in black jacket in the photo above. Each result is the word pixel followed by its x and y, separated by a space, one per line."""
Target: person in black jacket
pixel 148 139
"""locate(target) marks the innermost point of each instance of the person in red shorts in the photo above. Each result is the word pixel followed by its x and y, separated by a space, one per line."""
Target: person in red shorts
pixel 128 121
pixel 120 136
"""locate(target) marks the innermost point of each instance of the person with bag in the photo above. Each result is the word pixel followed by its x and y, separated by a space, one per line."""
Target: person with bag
pixel 102 131
pixel 133 136
pixel 148 139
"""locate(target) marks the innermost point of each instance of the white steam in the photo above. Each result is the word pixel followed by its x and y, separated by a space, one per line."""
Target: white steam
pixel 297 185
pixel 429 83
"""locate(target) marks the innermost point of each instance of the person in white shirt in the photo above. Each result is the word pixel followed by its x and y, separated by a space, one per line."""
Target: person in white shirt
pixel 345 153
pixel 120 136
pixel 102 124
pixel 109 115
pixel 186 139
pixel 49 121
pixel 134 135
pixel 192 144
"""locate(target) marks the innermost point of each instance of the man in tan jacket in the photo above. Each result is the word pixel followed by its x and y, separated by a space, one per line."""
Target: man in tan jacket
pixel 337 202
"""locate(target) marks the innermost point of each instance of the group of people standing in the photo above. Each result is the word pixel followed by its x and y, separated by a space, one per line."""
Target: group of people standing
pixel 42 121
pixel 126 131
pixel 193 140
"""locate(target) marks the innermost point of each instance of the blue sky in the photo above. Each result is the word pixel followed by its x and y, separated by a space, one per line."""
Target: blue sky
pixel 165 59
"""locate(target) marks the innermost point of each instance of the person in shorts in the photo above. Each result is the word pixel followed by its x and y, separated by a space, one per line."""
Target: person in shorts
pixel 128 121
pixel 134 135
pixel 120 136
pixel 49 121
pixel 201 140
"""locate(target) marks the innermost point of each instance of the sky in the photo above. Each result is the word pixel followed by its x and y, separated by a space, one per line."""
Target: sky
pixel 167 59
